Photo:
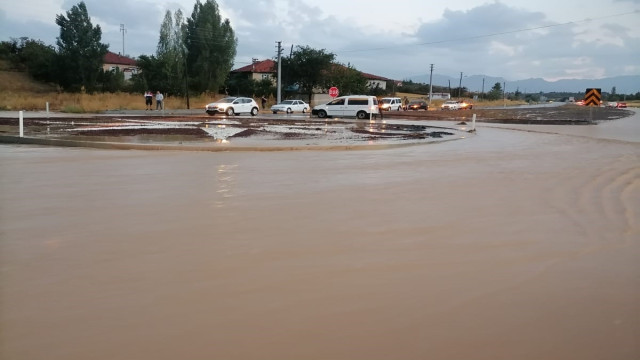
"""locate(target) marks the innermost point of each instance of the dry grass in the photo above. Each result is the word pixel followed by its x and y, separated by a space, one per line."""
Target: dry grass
pixel 632 103
pixel 19 81
pixel 435 104
pixel 26 100
pixel 19 92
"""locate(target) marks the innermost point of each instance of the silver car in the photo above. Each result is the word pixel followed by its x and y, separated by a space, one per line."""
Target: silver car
pixel 290 106
pixel 233 105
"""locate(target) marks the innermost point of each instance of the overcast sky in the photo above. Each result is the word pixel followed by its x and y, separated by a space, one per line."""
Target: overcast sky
pixel 516 39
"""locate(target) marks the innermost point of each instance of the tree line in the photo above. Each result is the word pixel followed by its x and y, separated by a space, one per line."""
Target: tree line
pixel 193 54
pixel 196 54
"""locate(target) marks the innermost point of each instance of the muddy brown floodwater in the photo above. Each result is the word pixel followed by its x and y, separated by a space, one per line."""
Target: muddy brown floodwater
pixel 519 242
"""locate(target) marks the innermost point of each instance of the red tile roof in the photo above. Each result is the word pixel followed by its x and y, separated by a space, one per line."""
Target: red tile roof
pixel 374 77
pixel 264 66
pixel 269 66
pixel 112 58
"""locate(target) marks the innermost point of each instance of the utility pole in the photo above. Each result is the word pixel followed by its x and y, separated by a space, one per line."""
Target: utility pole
pixel 123 30
pixel 460 86
pixel 279 85
pixel 483 88
pixel 186 76
pixel 504 93
pixel 430 84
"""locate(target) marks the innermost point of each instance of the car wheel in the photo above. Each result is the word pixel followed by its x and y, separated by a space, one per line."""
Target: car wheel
pixel 275 112
pixel 361 115
pixel 288 110
pixel 304 110
pixel 229 111
pixel 470 107
pixel 322 114
pixel 254 111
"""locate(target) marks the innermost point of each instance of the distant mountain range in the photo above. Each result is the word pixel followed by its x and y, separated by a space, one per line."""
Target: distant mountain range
pixel 623 84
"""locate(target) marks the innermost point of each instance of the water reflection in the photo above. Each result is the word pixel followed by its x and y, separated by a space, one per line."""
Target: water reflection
pixel 225 184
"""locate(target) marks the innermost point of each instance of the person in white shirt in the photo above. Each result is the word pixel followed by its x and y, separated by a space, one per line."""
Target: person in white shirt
pixel 159 101
pixel 148 99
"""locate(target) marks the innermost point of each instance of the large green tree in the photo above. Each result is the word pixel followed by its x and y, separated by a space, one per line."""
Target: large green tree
pixel 152 75
pixel 211 47
pixel 496 92
pixel 80 52
pixel 171 52
pixel 347 79
pixel 307 69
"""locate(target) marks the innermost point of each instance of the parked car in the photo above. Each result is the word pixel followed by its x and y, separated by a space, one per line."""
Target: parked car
pixel 612 104
pixel 417 105
pixel 233 105
pixel 290 106
pixel 450 105
pixel 360 106
pixel 390 103
pixel 621 105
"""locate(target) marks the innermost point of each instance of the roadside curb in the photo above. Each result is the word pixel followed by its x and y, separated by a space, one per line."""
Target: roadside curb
pixel 128 146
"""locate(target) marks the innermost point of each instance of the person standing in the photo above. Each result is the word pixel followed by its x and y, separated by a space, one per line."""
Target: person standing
pixel 264 102
pixel 159 101
pixel 148 99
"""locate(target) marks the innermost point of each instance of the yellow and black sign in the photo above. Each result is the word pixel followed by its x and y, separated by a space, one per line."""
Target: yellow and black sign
pixel 592 97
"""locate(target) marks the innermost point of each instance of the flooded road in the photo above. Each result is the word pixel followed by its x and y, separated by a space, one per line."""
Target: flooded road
pixel 506 245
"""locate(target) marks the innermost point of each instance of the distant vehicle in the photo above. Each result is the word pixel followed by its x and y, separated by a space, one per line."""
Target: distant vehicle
pixel 417 105
pixel 233 105
pixel 390 103
pixel 450 105
pixel 580 102
pixel 360 106
pixel 290 106
pixel 621 105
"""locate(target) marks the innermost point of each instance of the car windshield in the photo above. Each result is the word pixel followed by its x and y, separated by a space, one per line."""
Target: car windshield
pixel 226 100
pixel 415 102
pixel 287 102
pixel 385 101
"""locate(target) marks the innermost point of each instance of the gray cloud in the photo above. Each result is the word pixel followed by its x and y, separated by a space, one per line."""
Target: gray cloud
pixel 16 28
pixel 482 40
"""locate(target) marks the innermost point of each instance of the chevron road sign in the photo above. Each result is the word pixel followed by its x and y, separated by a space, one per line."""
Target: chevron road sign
pixel 592 97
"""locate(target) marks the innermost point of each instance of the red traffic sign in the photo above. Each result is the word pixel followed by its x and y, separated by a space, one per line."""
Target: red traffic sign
pixel 333 91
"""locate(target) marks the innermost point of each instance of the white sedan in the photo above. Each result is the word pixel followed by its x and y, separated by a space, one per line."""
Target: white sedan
pixel 290 106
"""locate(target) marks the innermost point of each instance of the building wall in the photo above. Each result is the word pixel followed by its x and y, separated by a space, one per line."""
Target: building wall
pixel 441 96
pixel 377 83
pixel 128 71
pixel 260 76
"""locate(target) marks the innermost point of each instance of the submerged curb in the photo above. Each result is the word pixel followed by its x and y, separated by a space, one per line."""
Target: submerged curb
pixel 129 146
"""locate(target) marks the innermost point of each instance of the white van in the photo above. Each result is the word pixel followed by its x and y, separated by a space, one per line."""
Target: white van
pixel 360 106
pixel 390 103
